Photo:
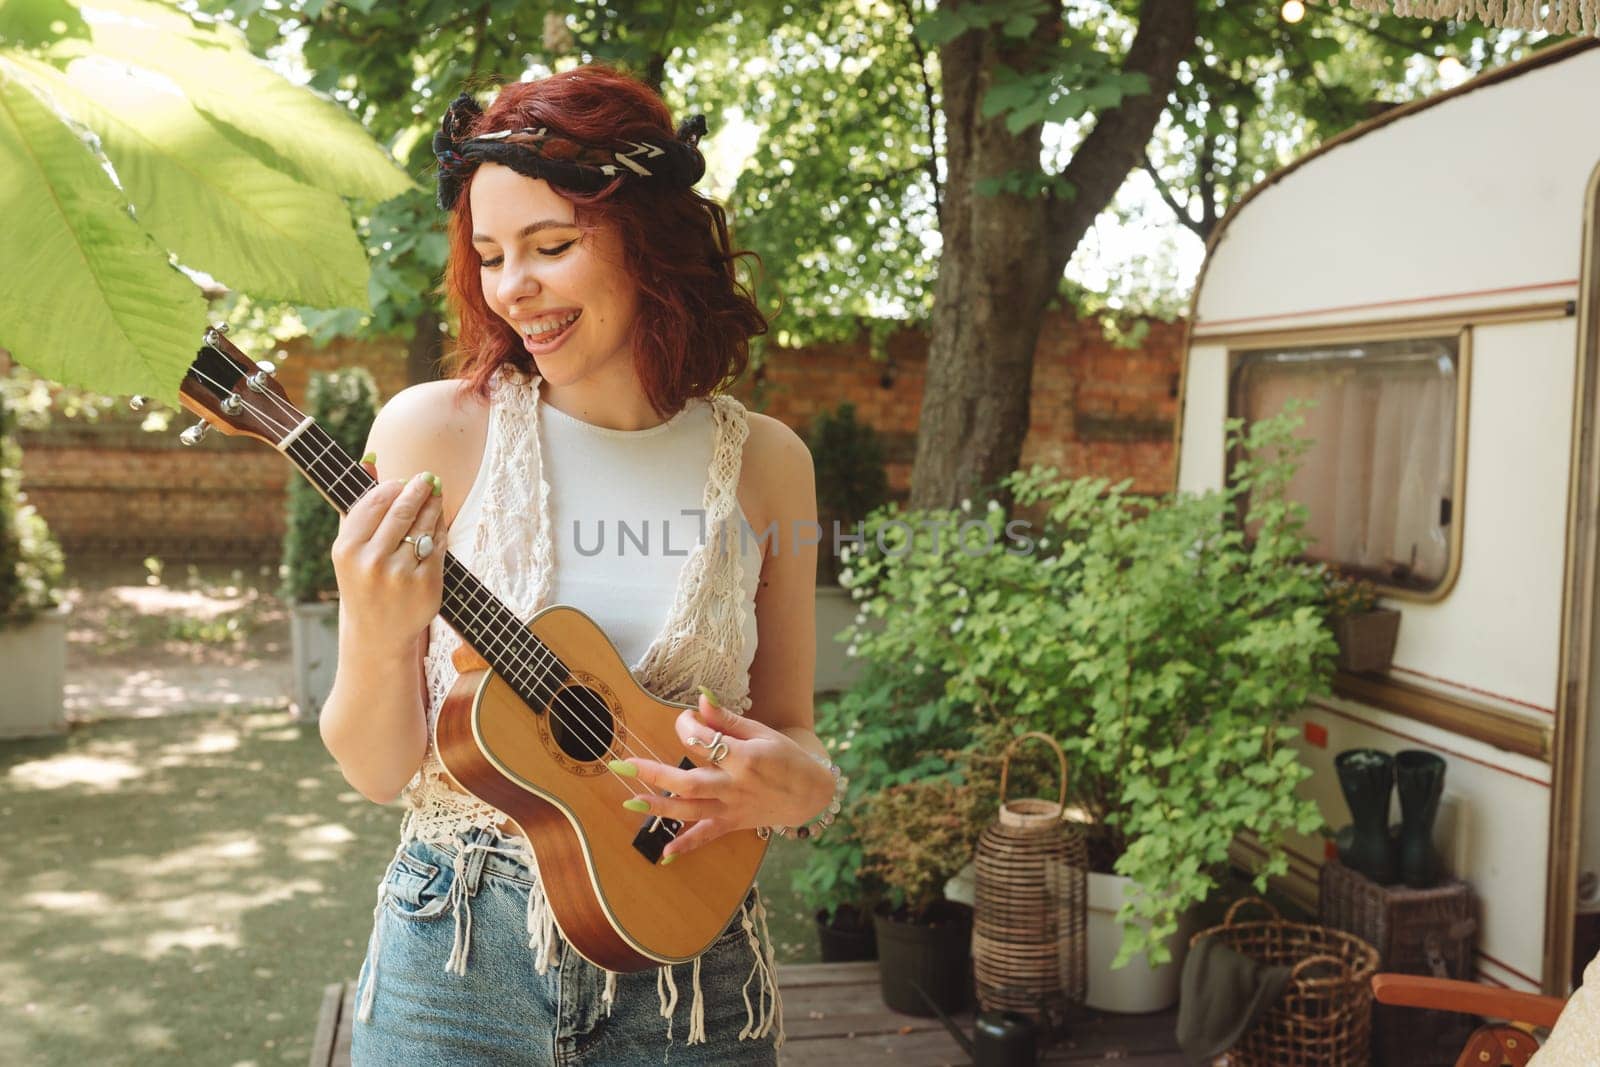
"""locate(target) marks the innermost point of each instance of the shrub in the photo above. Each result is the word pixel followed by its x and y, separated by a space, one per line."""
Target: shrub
pixel 1164 643
pixel 31 565
pixel 851 481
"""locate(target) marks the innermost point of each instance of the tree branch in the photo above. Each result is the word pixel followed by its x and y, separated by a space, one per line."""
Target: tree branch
pixel 1418 47
pixel 927 97
pixel 1180 210
pixel 1117 142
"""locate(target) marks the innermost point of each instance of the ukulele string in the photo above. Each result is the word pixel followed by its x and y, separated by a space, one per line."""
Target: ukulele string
pixel 541 661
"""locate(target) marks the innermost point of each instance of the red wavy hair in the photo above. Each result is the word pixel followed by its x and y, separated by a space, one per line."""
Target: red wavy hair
pixel 695 319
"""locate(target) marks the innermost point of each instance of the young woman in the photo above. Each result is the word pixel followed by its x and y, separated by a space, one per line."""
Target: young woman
pixel 599 317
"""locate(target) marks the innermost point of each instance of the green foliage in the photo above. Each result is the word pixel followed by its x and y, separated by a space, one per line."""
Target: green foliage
pixel 841 195
pixel 851 480
pixel 1161 646
pixel 916 836
pixel 31 566
pixel 838 196
pixel 239 173
pixel 344 403
pixel 890 728
pixel 1261 92
pixel 1347 594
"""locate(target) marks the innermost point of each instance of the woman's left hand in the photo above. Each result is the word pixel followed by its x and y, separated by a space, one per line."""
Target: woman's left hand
pixel 766 779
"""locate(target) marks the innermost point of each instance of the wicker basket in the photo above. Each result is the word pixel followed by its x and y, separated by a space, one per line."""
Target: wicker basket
pixel 1416 931
pixel 1324 1017
pixel 1030 916
pixel 1366 641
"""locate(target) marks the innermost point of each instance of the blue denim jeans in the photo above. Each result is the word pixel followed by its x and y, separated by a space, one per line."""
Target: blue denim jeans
pixel 502 1011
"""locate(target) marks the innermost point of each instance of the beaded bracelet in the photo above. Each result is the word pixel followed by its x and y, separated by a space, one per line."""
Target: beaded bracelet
pixel 813 828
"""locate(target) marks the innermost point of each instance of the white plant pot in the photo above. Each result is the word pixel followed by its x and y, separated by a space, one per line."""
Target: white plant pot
pixel 33 662
pixel 314 637
pixel 1137 987
pixel 835 611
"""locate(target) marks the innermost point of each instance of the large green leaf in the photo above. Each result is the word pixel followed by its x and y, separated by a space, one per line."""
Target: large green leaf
pixel 319 142
pixel 30 23
pixel 219 208
pixel 90 299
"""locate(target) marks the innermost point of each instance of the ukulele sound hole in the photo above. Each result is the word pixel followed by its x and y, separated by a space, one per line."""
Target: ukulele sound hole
pixel 581 724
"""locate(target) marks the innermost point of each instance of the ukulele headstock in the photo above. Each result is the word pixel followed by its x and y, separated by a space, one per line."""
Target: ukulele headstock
pixel 234 393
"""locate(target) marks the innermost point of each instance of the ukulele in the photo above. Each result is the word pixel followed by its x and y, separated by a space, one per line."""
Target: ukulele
pixel 532 734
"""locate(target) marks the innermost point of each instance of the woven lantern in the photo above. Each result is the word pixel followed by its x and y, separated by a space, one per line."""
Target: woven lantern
pixel 1030 915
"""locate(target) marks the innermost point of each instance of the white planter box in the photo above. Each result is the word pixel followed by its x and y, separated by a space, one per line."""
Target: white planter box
pixel 1137 987
pixel 33 662
pixel 314 636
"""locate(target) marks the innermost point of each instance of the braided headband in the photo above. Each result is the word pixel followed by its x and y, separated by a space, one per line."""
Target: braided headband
pixel 581 167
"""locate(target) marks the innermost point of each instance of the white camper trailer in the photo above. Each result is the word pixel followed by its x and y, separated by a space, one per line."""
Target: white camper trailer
pixel 1431 279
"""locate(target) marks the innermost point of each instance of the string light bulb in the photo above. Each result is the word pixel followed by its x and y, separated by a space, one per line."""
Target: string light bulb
pixel 1293 11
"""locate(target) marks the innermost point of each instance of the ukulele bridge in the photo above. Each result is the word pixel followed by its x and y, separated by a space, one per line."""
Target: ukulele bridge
pixel 658 829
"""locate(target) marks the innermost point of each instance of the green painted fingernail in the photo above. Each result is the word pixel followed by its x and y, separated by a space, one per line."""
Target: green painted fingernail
pixel 668 858
pixel 370 457
pixel 624 768
pixel 636 804
pixel 438 484
pixel 709 695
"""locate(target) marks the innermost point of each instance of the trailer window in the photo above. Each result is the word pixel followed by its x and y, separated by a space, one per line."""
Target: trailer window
pixel 1379 478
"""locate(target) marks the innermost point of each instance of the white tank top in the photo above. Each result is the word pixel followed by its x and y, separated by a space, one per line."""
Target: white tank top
pixel 626 507
pixel 675 592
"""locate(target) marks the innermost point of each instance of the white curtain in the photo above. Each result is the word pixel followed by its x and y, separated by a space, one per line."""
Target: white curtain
pixel 1380 467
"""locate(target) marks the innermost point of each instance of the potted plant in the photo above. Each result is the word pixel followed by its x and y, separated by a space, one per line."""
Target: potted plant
pixel 344 403
pixel 1365 633
pixel 33 619
pixel 1164 642
pixel 886 730
pixel 914 838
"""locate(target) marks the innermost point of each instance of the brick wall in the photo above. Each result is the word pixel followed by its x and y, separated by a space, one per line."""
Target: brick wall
pixel 1095 410
pixel 108 488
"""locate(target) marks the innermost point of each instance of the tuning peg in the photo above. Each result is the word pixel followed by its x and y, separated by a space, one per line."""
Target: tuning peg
pixel 137 402
pixel 258 380
pixel 194 434
pixel 232 404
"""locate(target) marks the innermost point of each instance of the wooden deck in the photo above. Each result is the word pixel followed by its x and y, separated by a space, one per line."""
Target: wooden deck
pixel 833 1015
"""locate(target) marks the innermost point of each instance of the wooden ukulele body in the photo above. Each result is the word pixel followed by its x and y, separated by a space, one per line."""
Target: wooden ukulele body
pixel 545 767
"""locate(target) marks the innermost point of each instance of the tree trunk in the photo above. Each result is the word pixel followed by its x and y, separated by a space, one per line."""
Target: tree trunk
pixel 1004 254
pixel 991 290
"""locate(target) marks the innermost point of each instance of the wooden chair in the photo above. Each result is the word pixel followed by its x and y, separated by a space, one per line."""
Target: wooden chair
pixel 1491 1045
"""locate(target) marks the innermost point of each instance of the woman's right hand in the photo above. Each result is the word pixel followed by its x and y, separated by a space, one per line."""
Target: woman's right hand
pixel 387 596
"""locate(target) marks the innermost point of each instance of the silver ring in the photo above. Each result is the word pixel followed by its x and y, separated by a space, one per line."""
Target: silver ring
pixel 718 747
pixel 421 545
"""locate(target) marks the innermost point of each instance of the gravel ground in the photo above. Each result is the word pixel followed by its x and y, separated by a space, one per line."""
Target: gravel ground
pixel 142 643
pixel 187 866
